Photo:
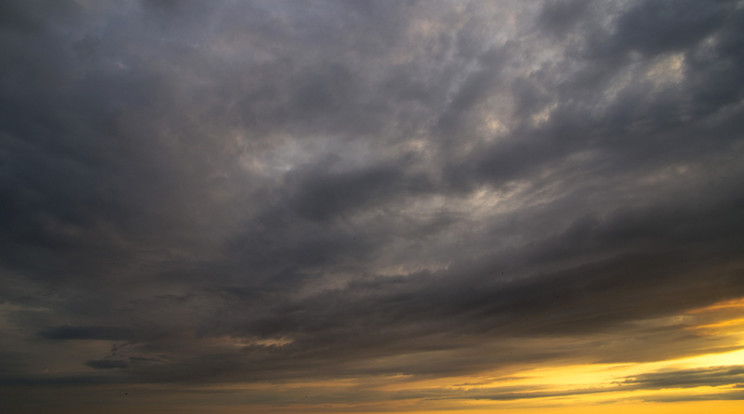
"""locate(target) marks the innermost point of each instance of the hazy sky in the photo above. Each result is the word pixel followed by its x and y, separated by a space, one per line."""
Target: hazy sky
pixel 314 206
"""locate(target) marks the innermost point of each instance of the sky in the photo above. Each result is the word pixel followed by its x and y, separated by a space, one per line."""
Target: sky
pixel 372 206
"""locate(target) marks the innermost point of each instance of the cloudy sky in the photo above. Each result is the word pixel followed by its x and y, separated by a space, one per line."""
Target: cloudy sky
pixel 389 206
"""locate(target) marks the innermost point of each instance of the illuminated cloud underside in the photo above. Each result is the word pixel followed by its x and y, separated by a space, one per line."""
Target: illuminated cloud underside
pixel 393 206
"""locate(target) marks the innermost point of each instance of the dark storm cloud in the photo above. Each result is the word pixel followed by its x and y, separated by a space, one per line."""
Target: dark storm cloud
pixel 658 26
pixel 557 17
pixel 328 195
pixel 56 382
pixel 241 191
pixel 86 332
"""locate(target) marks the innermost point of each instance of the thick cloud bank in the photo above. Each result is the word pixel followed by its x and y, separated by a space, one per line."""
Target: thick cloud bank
pixel 233 191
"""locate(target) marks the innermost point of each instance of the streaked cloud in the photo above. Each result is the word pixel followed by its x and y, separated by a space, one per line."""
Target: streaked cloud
pixel 381 206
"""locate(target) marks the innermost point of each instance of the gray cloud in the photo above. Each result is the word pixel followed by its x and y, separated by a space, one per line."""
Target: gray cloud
pixel 711 377
pixel 86 332
pixel 248 191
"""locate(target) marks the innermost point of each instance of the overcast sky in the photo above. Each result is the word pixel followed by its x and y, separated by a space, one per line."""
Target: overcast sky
pixel 198 196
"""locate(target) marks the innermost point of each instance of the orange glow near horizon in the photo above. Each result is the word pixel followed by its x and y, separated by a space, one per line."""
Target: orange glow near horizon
pixel 551 387
pixel 575 387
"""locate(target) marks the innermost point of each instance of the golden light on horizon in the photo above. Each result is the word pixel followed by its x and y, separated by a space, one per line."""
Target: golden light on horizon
pixel 573 387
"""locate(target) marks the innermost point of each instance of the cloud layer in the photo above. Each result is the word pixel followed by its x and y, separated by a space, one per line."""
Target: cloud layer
pixel 234 191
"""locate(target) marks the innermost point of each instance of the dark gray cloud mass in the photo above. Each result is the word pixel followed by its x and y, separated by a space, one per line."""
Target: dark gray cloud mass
pixel 242 191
